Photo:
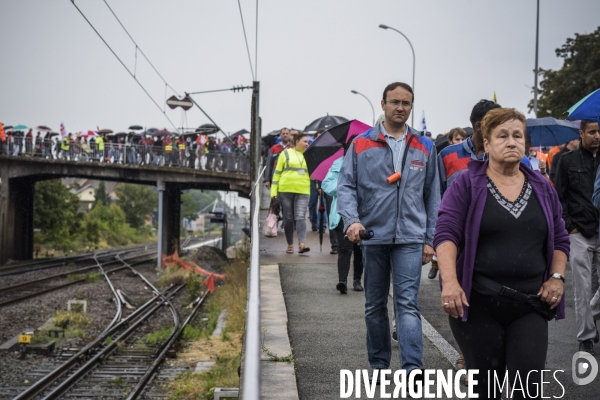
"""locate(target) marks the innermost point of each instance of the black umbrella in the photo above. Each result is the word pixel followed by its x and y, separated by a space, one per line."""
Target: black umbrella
pixel 324 123
pixel 136 127
pixel 270 138
pixel 207 129
pixel 8 126
pixel 321 221
pixel 240 132
pixel 120 134
pixel 162 132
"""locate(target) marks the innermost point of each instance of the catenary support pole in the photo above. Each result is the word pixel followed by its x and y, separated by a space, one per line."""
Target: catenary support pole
pixel 160 186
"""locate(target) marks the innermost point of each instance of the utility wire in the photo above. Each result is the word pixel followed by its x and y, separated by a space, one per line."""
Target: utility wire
pixel 246 39
pixel 139 49
pixel 256 46
pixel 123 64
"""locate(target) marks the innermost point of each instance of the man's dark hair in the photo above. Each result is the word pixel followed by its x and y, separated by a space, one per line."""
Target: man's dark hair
pixel 585 123
pixel 395 85
pixel 480 109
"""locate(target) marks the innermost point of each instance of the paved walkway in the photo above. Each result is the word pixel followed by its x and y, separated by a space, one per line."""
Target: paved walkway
pixel 301 309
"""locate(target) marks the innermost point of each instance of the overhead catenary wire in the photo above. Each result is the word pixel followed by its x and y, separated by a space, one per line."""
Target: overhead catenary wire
pixel 256 46
pixel 137 48
pixel 123 64
pixel 246 40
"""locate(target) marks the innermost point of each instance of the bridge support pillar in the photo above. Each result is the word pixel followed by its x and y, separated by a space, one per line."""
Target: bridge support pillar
pixel 16 217
pixel 171 215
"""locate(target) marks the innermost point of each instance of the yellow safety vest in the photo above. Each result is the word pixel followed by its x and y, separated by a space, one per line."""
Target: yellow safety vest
pixel 65 144
pixel 169 147
pixel 181 146
pixel 100 143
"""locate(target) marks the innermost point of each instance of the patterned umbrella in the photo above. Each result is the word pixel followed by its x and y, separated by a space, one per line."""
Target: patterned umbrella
pixel 328 147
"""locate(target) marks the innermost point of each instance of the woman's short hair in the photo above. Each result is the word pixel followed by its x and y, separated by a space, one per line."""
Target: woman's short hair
pixel 299 136
pixel 456 132
pixel 498 116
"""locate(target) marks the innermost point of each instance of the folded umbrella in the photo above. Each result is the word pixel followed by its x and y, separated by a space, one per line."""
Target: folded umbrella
pixel 587 108
pixel 321 221
pixel 328 147
pixel 550 131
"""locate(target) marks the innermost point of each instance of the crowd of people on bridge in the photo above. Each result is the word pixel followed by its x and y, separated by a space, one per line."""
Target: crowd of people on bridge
pixel 198 151
pixel 498 217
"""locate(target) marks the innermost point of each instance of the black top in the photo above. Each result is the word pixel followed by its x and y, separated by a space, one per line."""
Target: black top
pixel 511 248
pixel 575 185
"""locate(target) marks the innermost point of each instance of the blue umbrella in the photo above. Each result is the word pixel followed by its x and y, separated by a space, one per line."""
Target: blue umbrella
pixel 586 108
pixel 550 131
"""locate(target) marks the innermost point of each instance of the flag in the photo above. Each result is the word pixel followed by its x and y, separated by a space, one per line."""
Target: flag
pixel 423 124
pixel 63 131
pixel 210 283
pixel 201 139
pixel 240 140
pixel 495 99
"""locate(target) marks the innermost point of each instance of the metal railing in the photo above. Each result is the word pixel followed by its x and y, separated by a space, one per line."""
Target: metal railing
pixel 192 156
pixel 252 348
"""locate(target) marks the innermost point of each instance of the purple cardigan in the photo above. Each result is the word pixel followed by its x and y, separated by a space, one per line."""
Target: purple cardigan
pixel 459 220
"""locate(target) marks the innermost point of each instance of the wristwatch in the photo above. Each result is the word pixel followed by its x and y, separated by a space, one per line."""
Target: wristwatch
pixel 556 275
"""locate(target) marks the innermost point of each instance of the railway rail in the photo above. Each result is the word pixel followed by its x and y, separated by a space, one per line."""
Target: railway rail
pixel 109 366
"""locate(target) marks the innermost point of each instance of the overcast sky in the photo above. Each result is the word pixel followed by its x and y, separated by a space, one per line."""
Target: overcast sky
pixel 311 53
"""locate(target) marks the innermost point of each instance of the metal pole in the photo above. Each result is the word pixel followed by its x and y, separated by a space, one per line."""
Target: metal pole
pixel 412 114
pixel 537 43
pixel 371 104
pixel 160 186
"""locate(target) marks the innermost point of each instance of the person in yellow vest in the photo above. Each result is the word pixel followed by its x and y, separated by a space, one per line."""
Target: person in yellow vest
pixel 181 146
pixel 100 147
pixel 65 146
pixel 168 151
pixel 292 184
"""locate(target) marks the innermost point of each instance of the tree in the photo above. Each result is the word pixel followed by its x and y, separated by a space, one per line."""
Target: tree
pixel 579 76
pixel 55 211
pixel 101 196
pixel 189 206
pixel 136 201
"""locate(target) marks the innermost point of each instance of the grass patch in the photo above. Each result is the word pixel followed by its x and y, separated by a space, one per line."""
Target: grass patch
pixel 71 319
pixel 92 277
pixel 159 336
pixel 201 386
pixel 172 276
pixel 228 347
pixel 74 277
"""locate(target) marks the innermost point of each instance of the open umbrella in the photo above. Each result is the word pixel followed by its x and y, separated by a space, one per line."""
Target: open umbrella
pixel 136 127
pixel 105 131
pixel 51 134
pixel 587 108
pixel 324 123
pixel 121 134
pixel 20 127
pixel 43 128
pixel 87 134
pixel 161 132
pixel 550 131
pixel 328 147
pixel 270 138
pixel 8 127
pixel 207 129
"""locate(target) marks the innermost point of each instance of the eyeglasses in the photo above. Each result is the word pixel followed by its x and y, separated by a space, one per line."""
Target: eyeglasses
pixel 396 103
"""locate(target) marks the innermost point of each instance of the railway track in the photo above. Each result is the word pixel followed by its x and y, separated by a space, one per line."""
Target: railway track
pixel 111 366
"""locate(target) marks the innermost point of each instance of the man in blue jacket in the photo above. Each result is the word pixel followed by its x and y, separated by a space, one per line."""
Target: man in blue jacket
pixel 389 183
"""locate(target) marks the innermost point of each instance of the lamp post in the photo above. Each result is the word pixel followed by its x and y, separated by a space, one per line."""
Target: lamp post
pixel 382 26
pixel 537 42
pixel 371 104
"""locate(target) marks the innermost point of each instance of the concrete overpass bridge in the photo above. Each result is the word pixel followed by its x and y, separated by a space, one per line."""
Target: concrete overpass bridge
pixel 19 175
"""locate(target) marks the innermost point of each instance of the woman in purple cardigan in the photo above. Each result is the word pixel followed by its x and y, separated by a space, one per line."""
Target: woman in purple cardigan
pixel 500 237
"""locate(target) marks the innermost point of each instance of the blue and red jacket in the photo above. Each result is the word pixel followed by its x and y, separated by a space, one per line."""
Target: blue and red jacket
pixel 399 213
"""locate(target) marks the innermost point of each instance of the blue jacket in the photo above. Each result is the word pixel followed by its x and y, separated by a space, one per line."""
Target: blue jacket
pixel 329 186
pixel 399 213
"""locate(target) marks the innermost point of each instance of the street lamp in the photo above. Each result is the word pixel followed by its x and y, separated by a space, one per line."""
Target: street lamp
pixel 382 26
pixel 371 104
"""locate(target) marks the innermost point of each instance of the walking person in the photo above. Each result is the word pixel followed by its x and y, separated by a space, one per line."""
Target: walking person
pixel 574 184
pixel 500 240
pixel 292 184
pixel 389 183
pixel 345 248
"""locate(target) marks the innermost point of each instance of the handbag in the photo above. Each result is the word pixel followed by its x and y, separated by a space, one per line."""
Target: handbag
pixel 534 300
pixel 270 226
